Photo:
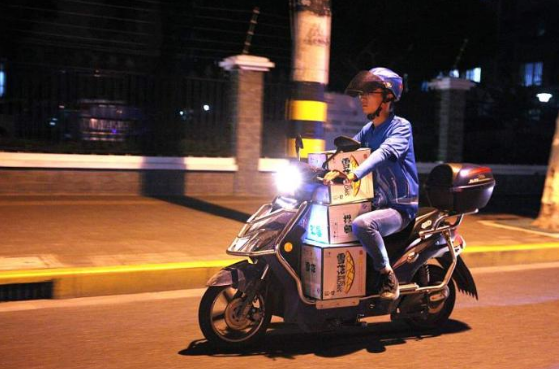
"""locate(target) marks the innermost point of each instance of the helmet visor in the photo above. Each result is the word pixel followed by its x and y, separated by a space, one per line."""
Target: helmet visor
pixel 363 82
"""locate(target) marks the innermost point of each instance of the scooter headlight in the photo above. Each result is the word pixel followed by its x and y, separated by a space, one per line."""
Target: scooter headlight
pixel 288 179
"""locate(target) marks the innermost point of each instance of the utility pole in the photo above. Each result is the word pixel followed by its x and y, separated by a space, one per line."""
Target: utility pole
pixel 311 23
pixel 549 211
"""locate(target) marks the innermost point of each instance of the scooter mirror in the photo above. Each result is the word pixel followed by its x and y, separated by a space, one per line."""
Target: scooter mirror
pixel 298 146
pixel 346 144
pixel 343 144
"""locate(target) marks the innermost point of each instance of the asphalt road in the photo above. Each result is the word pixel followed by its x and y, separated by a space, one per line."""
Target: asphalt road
pixel 515 324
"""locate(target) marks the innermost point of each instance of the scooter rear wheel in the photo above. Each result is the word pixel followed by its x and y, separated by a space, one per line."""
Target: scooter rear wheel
pixel 439 316
pixel 223 327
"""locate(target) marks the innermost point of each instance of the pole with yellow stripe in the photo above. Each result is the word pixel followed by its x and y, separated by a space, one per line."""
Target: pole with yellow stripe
pixel 311 54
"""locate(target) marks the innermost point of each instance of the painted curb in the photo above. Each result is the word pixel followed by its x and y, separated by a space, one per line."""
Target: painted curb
pixel 484 256
pixel 115 280
pixel 122 279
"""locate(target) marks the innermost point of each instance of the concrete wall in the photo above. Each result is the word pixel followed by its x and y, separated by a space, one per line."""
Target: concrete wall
pixel 59 174
pixel 36 181
pixel 519 188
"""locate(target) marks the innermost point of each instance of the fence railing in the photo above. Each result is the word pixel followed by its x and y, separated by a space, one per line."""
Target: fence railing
pixel 507 127
pixel 274 125
pixel 92 111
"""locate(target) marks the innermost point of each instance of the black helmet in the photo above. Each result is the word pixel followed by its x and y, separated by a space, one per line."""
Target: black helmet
pixel 369 80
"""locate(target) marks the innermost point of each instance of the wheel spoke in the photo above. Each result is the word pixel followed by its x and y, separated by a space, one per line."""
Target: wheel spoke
pixel 229 295
pixel 219 316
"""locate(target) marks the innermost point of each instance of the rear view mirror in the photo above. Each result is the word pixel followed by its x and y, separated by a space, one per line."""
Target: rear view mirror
pixel 343 144
pixel 346 144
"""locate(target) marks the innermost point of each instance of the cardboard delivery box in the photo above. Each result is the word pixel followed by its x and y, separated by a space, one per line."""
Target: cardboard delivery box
pixel 344 162
pixel 332 223
pixel 333 272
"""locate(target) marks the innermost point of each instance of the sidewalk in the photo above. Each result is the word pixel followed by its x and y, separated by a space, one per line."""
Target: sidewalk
pixel 109 245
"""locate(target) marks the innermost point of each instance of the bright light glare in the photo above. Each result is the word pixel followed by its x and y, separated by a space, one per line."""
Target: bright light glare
pixel 288 179
pixel 2 81
pixel 544 97
pixel 206 107
pixel 474 74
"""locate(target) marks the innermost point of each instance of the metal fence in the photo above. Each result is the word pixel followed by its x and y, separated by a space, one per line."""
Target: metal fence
pixel 420 108
pixel 274 126
pixel 92 111
pixel 500 127
pixel 507 127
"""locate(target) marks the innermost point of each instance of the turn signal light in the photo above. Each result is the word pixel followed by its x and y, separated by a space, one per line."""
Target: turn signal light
pixel 288 246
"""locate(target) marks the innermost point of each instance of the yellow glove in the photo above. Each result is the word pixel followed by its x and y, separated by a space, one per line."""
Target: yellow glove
pixel 331 176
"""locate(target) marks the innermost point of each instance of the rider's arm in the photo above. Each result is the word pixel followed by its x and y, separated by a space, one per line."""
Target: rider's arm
pixel 393 147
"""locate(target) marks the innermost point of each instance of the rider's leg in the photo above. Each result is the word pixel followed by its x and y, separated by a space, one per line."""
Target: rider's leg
pixel 370 228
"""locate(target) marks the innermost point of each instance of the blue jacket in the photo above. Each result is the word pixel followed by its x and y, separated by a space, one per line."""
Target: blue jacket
pixel 392 162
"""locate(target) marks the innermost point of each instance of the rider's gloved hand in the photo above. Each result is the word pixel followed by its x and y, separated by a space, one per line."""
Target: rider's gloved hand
pixel 332 175
pixel 338 177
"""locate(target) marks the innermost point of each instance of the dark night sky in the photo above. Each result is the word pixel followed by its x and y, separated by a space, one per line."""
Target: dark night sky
pixel 419 38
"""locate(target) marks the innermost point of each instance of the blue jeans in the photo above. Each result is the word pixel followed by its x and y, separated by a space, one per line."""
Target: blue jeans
pixel 371 227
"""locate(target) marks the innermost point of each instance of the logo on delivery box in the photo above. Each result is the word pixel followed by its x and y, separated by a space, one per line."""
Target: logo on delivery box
pixel 349 165
pixel 345 272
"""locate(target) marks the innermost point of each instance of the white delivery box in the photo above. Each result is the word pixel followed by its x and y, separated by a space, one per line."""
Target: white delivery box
pixel 333 272
pixel 332 223
pixel 344 162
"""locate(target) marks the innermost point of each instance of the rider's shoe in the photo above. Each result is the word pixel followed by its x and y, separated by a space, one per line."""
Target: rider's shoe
pixel 389 286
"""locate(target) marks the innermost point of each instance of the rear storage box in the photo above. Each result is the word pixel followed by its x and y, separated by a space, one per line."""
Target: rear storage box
pixel 459 188
pixel 333 272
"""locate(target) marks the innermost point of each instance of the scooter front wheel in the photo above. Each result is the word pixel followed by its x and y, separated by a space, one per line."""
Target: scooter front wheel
pixel 222 322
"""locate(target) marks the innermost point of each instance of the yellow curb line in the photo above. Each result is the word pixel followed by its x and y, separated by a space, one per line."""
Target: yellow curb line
pixel 40 273
pixel 126 279
pixel 121 279
pixel 518 247
pixel 58 272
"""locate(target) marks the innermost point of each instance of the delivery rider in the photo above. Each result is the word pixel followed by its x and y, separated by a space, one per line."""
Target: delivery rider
pixel 392 162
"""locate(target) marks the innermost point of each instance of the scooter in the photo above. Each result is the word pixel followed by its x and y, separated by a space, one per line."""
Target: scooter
pixel 241 299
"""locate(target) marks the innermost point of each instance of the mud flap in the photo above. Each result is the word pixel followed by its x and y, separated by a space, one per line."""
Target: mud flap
pixel 462 276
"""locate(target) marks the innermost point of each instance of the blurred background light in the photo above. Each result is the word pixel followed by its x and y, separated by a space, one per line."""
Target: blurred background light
pixel 544 97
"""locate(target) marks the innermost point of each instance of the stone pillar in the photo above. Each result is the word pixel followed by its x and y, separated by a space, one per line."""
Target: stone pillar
pixel 451 113
pixel 246 97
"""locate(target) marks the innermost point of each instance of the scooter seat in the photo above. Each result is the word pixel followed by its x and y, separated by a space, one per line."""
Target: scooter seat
pixel 397 243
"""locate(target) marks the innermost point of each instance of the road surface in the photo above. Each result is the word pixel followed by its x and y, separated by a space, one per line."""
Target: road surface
pixel 515 324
